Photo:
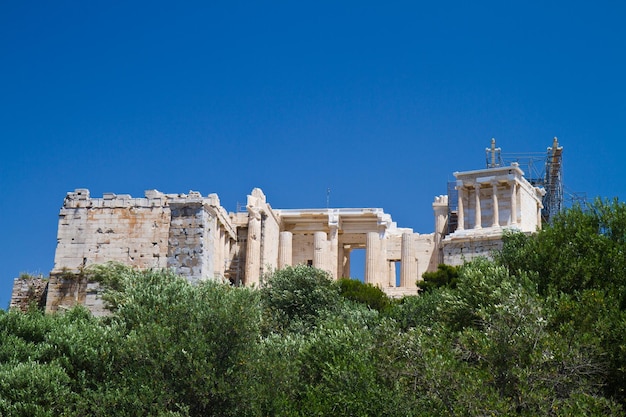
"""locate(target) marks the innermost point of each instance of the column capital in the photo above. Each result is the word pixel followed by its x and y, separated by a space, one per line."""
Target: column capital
pixel 254 213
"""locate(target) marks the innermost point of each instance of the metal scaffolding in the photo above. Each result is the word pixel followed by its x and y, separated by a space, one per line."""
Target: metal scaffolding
pixel 546 171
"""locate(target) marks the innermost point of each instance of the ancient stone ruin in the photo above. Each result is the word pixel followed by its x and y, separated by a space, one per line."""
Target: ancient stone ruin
pixel 194 236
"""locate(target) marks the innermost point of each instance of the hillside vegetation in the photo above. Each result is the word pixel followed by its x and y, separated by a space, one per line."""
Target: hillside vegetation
pixel 540 330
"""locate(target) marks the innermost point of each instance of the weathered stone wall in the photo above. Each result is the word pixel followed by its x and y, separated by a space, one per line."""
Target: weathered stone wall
pixel 67 291
pixel 458 251
pixel 191 231
pixel 426 254
pixel 133 231
pixel 302 252
pixel 530 221
pixel 28 291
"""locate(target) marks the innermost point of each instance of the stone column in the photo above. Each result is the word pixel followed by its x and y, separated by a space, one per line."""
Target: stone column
pixel 391 274
pixel 460 214
pixel 346 262
pixel 372 254
pixel 285 249
pixel 333 256
pixel 514 203
pixel 319 243
pixel 539 216
pixel 221 266
pixel 496 209
pixel 477 213
pixel 253 248
pixel 408 266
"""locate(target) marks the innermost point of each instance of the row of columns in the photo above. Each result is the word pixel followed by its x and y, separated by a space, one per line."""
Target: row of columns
pixel 377 266
pixel 495 203
pixel 329 256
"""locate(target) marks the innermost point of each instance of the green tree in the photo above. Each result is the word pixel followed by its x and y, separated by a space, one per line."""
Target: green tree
pixel 578 263
pixel 366 294
pixel 444 276
pixel 298 296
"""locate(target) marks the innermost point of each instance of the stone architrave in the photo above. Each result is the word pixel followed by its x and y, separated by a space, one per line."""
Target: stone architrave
pixel 285 250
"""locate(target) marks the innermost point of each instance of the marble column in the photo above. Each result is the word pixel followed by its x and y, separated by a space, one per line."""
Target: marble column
pixel 221 262
pixel 319 244
pixel 333 255
pixel 253 249
pixel 460 213
pixel 496 209
pixel 408 264
pixel 346 262
pixel 477 212
pixel 285 249
pixel 391 274
pixel 372 255
pixel 514 203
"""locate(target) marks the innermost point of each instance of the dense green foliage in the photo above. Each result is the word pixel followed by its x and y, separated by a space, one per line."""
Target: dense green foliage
pixel 444 276
pixel 579 266
pixel 367 294
pixel 538 331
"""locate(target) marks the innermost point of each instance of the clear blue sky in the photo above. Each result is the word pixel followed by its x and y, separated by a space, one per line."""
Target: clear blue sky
pixel 380 102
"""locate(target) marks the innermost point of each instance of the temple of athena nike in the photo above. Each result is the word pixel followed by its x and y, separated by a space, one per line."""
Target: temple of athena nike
pixel 196 237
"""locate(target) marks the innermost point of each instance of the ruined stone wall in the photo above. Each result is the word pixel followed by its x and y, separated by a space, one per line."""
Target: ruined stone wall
pixel 64 292
pixel 28 291
pixel 190 234
pixel 133 231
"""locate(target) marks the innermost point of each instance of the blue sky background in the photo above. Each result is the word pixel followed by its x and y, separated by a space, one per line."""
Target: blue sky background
pixel 379 101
